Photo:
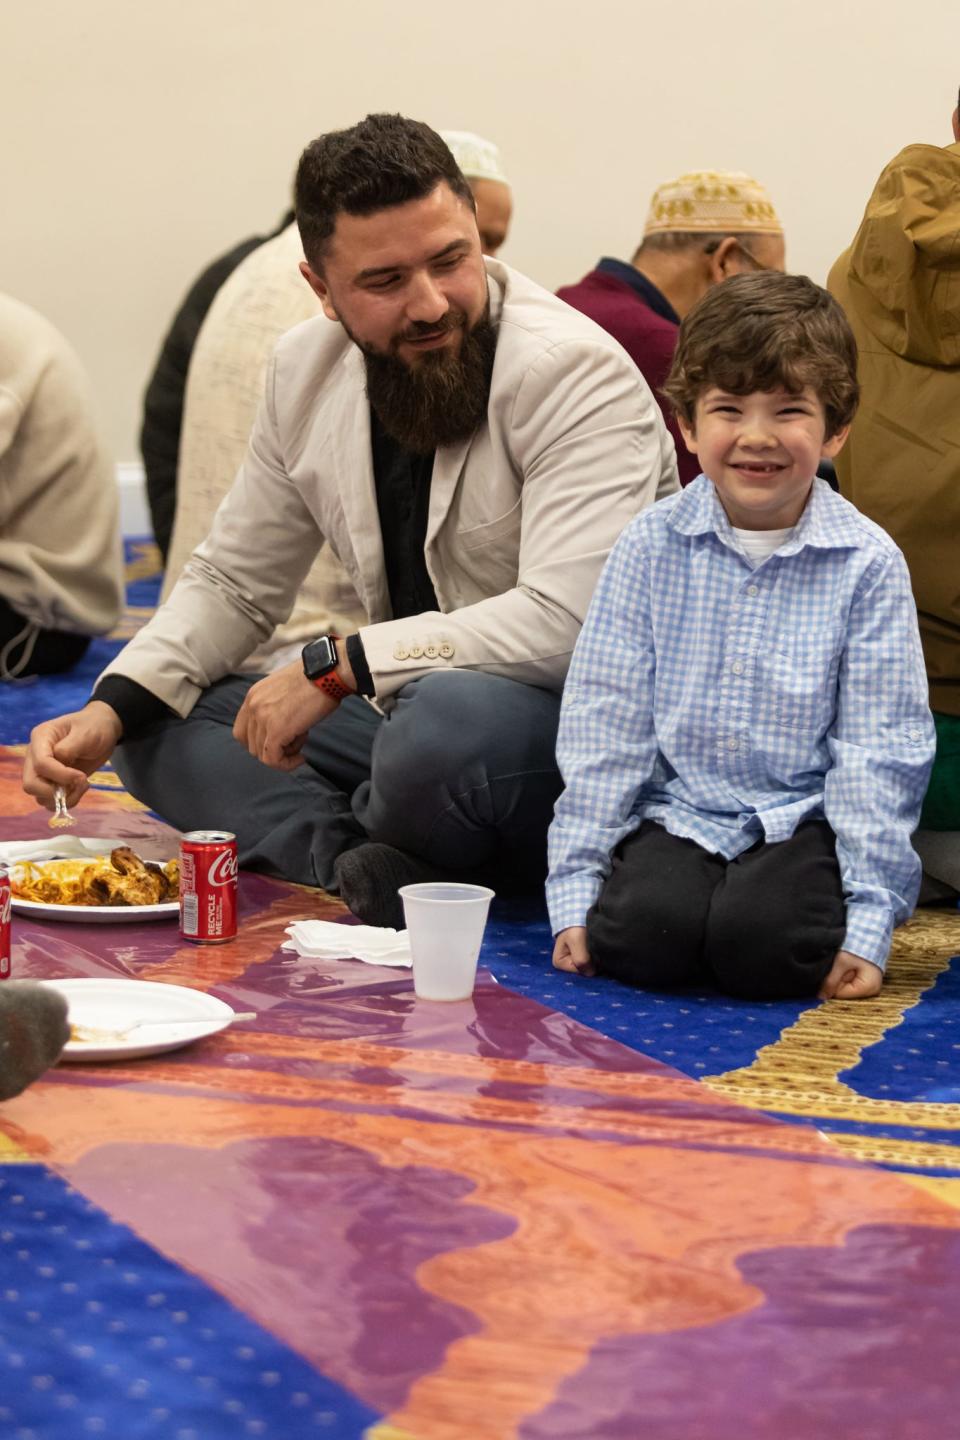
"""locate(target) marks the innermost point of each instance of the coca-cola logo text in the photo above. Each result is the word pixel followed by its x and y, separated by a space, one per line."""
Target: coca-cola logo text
pixel 5 909
pixel 223 871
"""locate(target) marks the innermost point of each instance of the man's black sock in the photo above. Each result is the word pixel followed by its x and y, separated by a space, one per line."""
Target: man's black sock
pixel 369 877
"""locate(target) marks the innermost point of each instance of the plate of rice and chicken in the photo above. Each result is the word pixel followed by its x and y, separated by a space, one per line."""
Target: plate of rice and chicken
pixel 119 887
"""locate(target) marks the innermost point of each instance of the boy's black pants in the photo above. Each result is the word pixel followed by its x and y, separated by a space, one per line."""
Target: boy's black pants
pixel 764 926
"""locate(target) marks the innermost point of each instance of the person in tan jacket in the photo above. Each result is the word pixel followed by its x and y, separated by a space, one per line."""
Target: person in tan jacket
pixel 470 447
pixel 263 298
pixel 899 283
pixel 61 574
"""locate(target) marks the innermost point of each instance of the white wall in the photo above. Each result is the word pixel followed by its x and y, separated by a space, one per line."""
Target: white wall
pixel 141 140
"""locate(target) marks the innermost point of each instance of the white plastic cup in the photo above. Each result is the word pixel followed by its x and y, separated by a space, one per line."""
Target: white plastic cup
pixel 445 924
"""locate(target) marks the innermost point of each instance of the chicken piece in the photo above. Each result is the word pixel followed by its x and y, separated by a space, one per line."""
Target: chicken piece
pixel 169 876
pixel 144 888
pixel 124 860
pixel 106 887
pixel 126 882
pixel 97 891
pixel 171 872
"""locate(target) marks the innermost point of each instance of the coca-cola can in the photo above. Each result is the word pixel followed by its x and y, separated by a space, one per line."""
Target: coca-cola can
pixel 208 886
pixel 5 905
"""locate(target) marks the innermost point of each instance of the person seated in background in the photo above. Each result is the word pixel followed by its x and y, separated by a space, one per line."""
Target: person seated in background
pixel 745 736
pixel 163 398
pixel 471 448
pixel 480 164
pixel 899 284
pixel 264 297
pixel 61 572
pixel 701 228
pixel 33 1031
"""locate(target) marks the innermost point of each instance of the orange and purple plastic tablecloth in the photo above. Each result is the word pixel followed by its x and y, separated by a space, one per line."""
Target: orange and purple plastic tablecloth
pixel 360 1214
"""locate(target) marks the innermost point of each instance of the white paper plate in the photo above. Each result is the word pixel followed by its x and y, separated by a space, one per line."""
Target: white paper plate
pixel 110 1006
pixel 96 914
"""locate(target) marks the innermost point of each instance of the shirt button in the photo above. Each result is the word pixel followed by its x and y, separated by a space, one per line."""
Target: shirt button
pixel 737 668
pixel 731 743
pixel 416 652
pixel 916 735
pixel 431 651
pixel 446 650
pixel 400 653
pixel 753 590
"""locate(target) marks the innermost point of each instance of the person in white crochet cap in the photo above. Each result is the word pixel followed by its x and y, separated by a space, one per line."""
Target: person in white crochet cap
pixel 479 162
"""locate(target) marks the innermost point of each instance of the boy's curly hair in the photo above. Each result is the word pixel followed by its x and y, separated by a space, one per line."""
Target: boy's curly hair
pixel 764 332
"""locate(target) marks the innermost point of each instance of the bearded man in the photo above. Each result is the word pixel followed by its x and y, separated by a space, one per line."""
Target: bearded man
pixel 470 447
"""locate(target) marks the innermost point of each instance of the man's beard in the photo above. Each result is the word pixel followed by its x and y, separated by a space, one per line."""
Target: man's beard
pixel 442 397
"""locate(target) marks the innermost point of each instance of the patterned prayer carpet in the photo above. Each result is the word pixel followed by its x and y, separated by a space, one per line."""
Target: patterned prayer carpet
pixel 881 1077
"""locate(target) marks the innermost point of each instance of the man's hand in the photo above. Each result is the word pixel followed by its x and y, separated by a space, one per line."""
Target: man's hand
pixel 851 978
pixel 571 953
pixel 65 751
pixel 274 718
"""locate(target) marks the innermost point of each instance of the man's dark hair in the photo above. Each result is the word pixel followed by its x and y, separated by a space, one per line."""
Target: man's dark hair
pixel 764 332
pixel 385 160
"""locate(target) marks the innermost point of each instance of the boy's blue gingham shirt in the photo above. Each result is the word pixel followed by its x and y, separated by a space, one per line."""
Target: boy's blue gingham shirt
pixel 729 703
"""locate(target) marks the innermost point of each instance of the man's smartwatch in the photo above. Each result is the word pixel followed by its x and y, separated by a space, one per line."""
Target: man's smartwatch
pixel 320 661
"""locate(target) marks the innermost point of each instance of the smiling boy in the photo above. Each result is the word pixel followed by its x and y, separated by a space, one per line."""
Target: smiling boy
pixel 745 737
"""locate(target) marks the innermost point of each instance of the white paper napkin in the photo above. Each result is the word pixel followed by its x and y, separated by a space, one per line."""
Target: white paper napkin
pixel 58 847
pixel 328 940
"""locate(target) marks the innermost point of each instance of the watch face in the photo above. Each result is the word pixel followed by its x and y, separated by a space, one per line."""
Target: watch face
pixel 319 657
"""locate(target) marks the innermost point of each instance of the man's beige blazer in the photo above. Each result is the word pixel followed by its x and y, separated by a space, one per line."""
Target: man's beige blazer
pixel 522 515
pixel 264 297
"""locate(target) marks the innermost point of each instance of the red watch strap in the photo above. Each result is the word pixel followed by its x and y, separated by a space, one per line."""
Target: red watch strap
pixel 332 685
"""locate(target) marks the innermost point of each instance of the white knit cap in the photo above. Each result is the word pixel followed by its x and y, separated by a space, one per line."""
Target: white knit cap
pixel 477 158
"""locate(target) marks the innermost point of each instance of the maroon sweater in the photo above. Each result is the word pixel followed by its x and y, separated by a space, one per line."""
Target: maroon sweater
pixel 619 299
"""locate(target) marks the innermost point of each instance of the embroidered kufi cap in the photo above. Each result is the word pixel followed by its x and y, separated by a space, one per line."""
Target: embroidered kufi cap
pixel 477 158
pixel 719 201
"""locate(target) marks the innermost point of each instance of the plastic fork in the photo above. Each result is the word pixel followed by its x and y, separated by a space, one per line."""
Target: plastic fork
pixel 98 1035
pixel 61 818
pixel 188 1020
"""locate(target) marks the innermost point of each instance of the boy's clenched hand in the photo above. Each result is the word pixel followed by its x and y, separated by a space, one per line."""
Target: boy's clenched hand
pixel 571 953
pixel 850 978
